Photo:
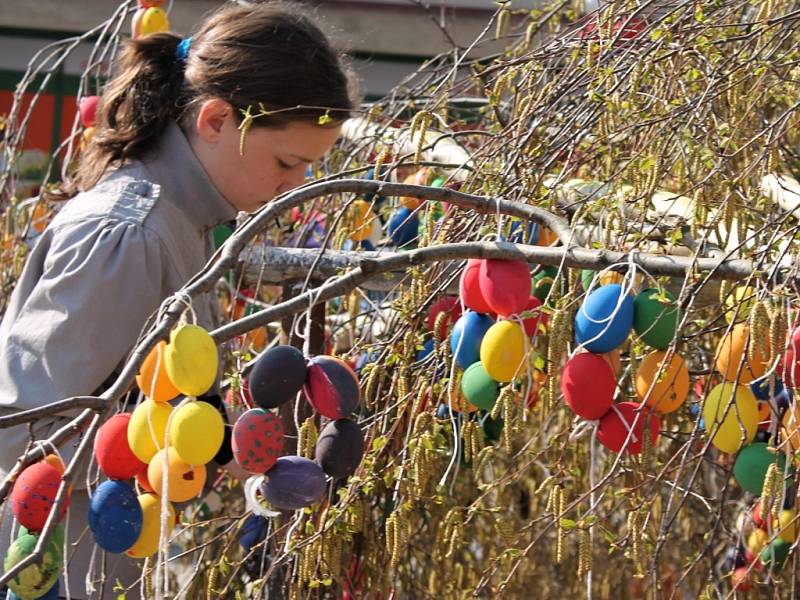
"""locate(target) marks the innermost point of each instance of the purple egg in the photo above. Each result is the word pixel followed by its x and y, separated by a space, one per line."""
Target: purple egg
pixel 340 448
pixel 294 482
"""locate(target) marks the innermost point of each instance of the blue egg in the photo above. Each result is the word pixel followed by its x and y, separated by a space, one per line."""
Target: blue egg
pixel 784 399
pixel 351 246
pixel 115 516
pixel 760 388
pixel 465 340
pixel 601 326
pixel 253 531
pixel 518 235
pixel 426 351
pixel 443 412
pixel 694 409
pixel 403 226
pixel 294 482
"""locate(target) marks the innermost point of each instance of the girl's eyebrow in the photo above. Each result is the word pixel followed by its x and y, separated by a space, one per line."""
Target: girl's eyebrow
pixel 308 160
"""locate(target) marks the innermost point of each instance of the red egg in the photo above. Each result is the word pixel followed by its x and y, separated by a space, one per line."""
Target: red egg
pixel 449 305
pixel 790 369
pixel 612 432
pixel 741 580
pixel 88 110
pixel 144 483
pixel 588 385
pixel 332 387
pixel 257 440
pixel 34 493
pixel 531 324
pixel 151 3
pixel 112 452
pixel 505 285
pixel 469 287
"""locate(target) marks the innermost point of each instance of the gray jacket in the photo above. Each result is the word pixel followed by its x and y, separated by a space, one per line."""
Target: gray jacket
pixel 106 263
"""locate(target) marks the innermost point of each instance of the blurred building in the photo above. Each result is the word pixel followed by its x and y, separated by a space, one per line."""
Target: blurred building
pixel 386 40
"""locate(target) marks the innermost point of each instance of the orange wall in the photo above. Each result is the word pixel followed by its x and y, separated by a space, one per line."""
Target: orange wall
pixel 40 126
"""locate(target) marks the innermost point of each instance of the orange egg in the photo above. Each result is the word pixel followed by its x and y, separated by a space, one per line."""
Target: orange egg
pixel 55 460
pixel 162 389
pixel 362 218
pixel 732 350
pixel 791 426
pixel 546 237
pixel 664 389
pixel 764 412
pixel 184 481
pixel 421 177
pixel 256 339
pixel 40 215
pixel 613 359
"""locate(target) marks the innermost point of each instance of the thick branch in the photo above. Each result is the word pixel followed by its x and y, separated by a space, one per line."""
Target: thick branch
pixel 53 408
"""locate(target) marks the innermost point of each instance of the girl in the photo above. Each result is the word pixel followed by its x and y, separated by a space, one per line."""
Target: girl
pixel 163 169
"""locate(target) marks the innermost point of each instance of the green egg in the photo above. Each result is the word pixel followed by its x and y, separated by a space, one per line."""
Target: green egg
pixel 543 281
pixel 656 316
pixel 35 580
pixel 478 387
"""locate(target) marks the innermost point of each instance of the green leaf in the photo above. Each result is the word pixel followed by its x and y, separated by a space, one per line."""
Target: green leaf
pixel 379 442
pixel 567 524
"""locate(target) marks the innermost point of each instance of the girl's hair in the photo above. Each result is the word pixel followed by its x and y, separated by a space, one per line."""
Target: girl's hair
pixel 265 56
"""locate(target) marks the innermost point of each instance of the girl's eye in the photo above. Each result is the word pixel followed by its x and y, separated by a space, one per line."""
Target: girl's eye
pixel 283 165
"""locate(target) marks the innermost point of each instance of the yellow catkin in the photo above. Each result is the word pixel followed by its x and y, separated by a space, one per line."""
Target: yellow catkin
pixel 509 419
pixel 308 437
pixel 759 330
pixel 466 440
pixel 559 504
pixel 772 480
pixel 210 590
pixel 503 23
pixel 778 329
pixel 379 160
pixel 147 573
pixel 584 551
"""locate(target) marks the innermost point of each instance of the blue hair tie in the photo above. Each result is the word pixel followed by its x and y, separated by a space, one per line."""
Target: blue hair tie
pixel 182 51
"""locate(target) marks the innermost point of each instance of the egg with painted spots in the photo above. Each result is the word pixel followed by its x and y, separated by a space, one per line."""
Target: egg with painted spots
pixel 147 542
pixel 279 373
pixel 35 580
pixel 152 377
pixel 196 432
pixel 503 351
pixel 115 516
pixel 339 448
pixel 147 428
pixel 624 427
pixel 332 387
pixel 112 451
pixel 605 319
pixel 184 481
pixel 192 359
pixel 505 285
pixel 293 482
pixel 51 594
pixel 34 494
pixel 257 440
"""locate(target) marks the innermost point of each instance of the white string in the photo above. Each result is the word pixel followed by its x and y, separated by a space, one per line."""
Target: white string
pixel 251 497
pixel 497 201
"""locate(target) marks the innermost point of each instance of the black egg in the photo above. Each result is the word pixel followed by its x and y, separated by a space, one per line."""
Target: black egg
pixel 340 448
pixel 277 376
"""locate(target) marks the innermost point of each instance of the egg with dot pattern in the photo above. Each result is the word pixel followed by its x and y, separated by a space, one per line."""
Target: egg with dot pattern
pixel 257 440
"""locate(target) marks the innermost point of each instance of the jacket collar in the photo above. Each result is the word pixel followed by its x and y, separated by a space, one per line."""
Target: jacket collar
pixel 184 181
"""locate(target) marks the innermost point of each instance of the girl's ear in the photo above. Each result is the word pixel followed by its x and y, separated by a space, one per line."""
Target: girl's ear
pixel 211 119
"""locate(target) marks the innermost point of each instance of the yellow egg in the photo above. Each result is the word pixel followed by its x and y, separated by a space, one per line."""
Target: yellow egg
pixel 87 136
pixel 745 297
pixel 732 350
pixel 756 541
pixel 147 543
pixel 162 389
pixel 184 481
pixel 503 351
pixel 725 419
pixel 153 20
pixel 786 525
pixel 196 432
pixel 191 359
pixel 147 428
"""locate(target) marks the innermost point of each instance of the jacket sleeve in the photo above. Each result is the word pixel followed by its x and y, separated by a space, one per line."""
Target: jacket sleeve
pixel 98 282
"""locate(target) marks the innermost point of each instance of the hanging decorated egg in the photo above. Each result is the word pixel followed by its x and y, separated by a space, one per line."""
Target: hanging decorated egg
pixel 588 385
pixel 791 426
pixel 448 305
pixel 531 324
pixel 149 3
pixel 277 376
pixel 741 580
pixel 775 553
pixel 147 429
pixel 789 368
pixel 786 525
pixel 732 350
pixel 36 580
pixel 625 428
pixel 751 466
pixel 363 219
pixel 761 387
pixel 756 540
pixel 339 448
pixel 192 359
pixel 196 432
pixel 403 226
pixel 332 387
pixel 421 177
pixel 479 388
pixel 115 516
pixel 257 440
pixel 293 483
pixel 156 385
pixel 739 303
pixel 34 494
pixel 153 20
pixel 141 481
pixel 656 317
pixel 111 450
pixel 465 340
pixel 54 460
pixel 184 481
pixel 722 418
pixel 503 351
pixel 469 287
pixel 605 319
pixel 87 108
pixel 505 285
pixel 492 428
pixel 662 386
pixel 52 594
pixel 147 542
pixel 542 282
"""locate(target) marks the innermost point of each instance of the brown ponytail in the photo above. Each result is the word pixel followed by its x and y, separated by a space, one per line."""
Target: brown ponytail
pixel 258 56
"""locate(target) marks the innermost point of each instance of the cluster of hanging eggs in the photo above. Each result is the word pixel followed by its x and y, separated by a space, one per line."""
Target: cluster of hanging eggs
pixel 161 446
pixel 31 499
pixel 602 324
pixel 332 389
pixel 149 18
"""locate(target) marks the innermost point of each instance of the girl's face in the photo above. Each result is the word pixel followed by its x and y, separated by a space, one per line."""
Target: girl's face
pixel 273 160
